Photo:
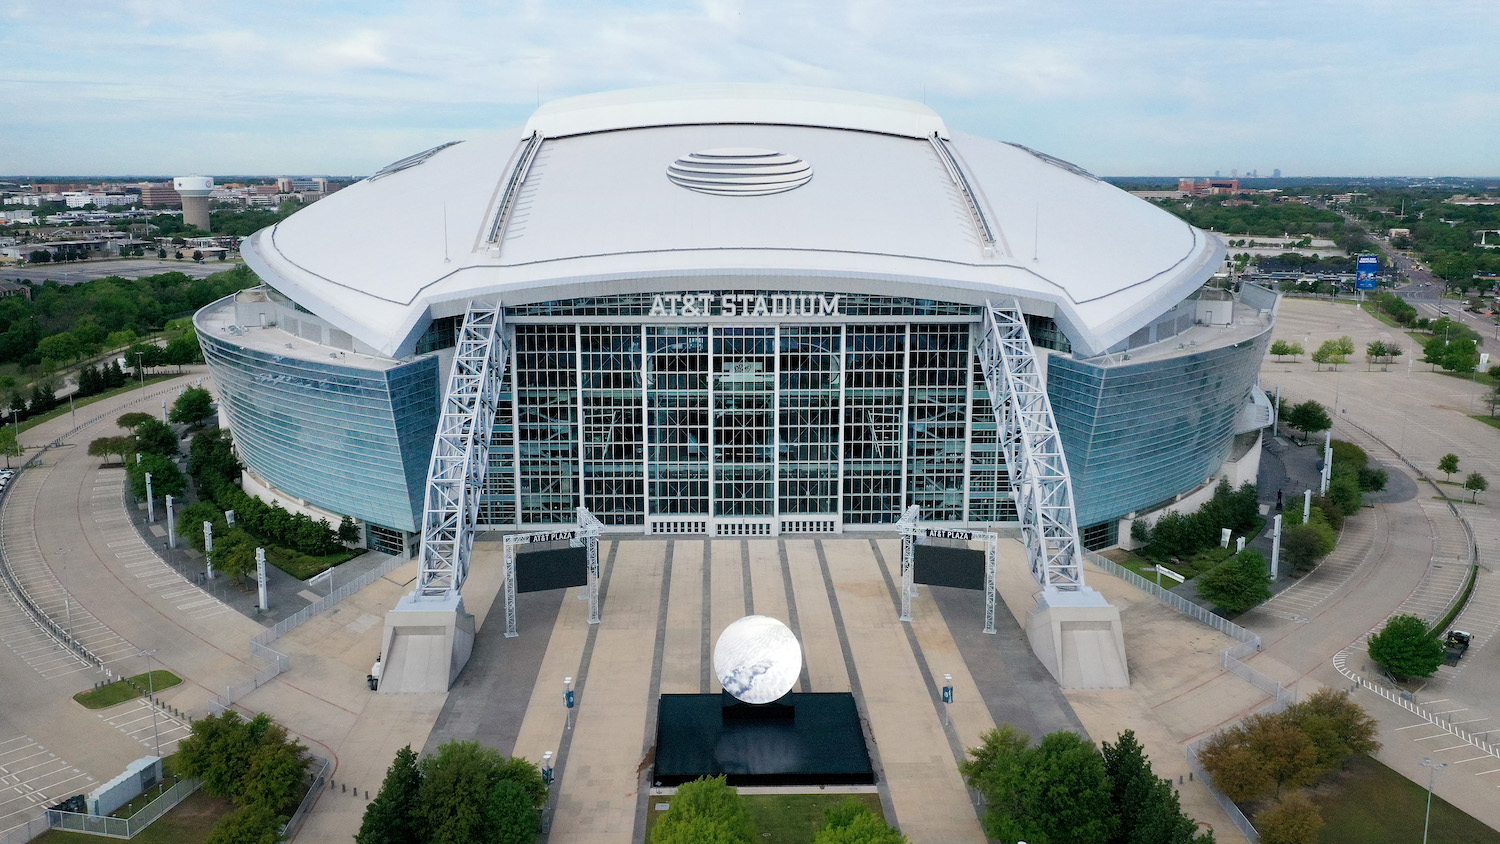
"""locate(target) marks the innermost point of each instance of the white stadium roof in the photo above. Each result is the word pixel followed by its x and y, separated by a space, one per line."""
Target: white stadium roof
pixel 707 188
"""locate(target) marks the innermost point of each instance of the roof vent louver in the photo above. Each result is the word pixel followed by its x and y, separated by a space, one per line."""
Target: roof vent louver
pixel 740 171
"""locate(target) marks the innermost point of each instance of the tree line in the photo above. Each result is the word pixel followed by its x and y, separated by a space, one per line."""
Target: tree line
pixel 1267 760
pixel 215 470
pixel 93 311
pixel 464 793
pixel 255 764
pixel 1065 789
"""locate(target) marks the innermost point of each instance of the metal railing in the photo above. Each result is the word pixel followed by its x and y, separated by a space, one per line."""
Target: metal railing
pixel 26 830
pixel 1230 658
pixel 277 662
pixel 123 827
pixel 1237 817
pixel 314 790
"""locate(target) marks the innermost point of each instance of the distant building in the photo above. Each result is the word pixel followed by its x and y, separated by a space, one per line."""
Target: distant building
pixel 1395 233
pixel 159 195
pixel 301 184
pixel 1276 174
pixel 1209 187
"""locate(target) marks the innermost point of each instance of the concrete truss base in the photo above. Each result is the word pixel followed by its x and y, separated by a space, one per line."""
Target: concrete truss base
pixel 1079 639
pixel 426 644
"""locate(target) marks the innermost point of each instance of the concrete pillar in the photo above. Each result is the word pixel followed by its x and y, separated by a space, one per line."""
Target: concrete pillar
pixel 1275 547
pixel 150 500
pixel 171 525
pixel 208 547
pixel 260 576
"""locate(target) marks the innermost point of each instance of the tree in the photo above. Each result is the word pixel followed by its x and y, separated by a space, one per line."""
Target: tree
pixel 1293 820
pixel 1461 355
pixel 1283 348
pixel 110 446
pixel 1145 805
pixel 128 421
pixel 711 806
pixel 166 478
pixel 1448 464
pixel 457 784
pixel 246 825
pixel 192 407
pixel 277 768
pixel 391 818
pixel 1258 757
pixel 154 436
pixel 1238 583
pixel 1331 353
pixel 852 822
pixel 234 553
pixel 60 347
pixel 219 751
pixel 1338 727
pixel 510 816
pixel 1374 352
pixel 348 531
pixel 1309 417
pixel 1476 483
pixel 1305 544
pixel 1404 648
pixel 1434 350
pixel 1055 791
pixel 40 256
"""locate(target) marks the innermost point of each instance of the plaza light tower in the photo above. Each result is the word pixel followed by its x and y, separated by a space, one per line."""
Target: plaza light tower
pixel 194 191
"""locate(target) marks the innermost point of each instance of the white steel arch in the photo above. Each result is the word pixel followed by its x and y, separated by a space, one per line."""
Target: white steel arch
pixel 460 452
pixel 1033 451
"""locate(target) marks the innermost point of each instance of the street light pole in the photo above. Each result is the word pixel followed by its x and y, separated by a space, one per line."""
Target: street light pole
pixel 140 368
pixel 151 693
pixel 1433 768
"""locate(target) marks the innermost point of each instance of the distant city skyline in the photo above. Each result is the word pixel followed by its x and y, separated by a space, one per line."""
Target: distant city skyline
pixel 1364 88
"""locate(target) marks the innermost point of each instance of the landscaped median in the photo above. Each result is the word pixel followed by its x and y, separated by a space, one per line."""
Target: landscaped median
pixel 127 688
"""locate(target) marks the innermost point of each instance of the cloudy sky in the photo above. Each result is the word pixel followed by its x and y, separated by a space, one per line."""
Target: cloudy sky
pixel 1314 87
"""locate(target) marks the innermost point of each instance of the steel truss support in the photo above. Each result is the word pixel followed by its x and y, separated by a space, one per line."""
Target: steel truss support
pixel 1033 450
pixel 460 453
pixel 912 534
pixel 585 534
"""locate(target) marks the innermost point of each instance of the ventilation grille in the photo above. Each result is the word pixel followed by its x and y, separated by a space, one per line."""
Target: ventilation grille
pixel 740 171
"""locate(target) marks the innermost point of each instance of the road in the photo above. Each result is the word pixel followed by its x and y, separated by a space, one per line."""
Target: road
pixel 80 272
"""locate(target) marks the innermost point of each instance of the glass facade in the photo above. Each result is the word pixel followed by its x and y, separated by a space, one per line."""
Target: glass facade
pixel 1137 434
pixel 351 440
pixel 743 429
pixel 734 427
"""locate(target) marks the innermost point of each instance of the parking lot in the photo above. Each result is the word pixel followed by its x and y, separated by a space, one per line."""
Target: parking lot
pixel 127 268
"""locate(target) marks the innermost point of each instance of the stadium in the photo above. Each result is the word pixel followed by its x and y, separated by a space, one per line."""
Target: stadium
pixel 733 311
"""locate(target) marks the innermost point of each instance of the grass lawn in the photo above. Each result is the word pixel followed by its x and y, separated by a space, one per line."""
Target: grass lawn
pixel 1347 802
pixel 187 823
pixel 302 566
pixel 1488 420
pixel 119 691
pixel 783 818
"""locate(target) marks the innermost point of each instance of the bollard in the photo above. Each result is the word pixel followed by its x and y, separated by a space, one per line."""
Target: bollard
pixel 367 794
pixel 343 788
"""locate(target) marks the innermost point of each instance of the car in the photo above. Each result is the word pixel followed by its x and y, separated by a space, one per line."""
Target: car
pixel 1443 311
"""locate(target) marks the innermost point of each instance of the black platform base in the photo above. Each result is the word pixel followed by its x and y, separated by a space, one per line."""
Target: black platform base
pixel 820 744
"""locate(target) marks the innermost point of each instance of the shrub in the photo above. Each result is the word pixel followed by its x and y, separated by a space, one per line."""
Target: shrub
pixel 710 806
pixel 1238 583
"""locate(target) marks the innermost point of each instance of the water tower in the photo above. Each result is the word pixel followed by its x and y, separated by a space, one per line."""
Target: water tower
pixel 194 191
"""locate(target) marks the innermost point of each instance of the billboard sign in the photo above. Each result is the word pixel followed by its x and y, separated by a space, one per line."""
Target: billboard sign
pixel 1365 270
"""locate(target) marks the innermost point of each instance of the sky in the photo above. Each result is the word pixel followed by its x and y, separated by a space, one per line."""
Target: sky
pixel 320 87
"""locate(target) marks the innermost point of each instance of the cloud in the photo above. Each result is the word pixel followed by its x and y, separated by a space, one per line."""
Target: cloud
pixel 1161 86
